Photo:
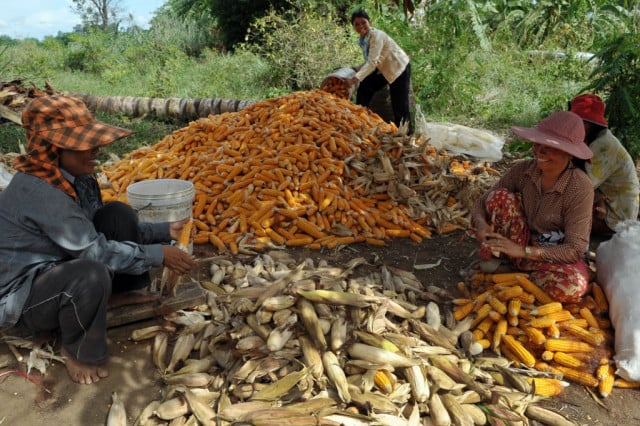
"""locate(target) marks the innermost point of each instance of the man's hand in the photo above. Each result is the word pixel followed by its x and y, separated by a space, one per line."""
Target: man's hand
pixel 177 260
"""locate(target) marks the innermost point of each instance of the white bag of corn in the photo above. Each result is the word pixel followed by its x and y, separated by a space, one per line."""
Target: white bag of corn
pixel 617 261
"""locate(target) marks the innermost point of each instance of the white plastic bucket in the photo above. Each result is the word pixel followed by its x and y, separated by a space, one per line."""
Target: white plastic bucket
pixel 162 200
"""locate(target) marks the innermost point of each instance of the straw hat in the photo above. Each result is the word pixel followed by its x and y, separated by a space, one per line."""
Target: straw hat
pixel 590 108
pixel 67 123
pixel 561 130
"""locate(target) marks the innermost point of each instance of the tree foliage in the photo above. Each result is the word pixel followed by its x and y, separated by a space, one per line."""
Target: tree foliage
pixel 103 14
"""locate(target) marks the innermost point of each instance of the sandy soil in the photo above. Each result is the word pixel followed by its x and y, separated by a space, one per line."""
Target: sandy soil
pixel 57 400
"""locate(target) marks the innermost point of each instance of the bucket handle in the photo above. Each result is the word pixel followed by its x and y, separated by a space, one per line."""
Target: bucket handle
pixel 144 207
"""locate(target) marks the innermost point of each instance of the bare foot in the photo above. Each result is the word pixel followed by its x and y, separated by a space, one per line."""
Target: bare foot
pixel 85 374
pixel 133 297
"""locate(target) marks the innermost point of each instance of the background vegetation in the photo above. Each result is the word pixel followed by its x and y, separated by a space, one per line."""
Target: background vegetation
pixel 488 64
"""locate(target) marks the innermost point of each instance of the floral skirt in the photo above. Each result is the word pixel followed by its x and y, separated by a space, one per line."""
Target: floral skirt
pixel 562 281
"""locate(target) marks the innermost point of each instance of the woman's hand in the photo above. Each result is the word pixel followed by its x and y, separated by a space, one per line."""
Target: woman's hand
pixel 177 260
pixel 500 244
pixel 482 229
pixel 175 228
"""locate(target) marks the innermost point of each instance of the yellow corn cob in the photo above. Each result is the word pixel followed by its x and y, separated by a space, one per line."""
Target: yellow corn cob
pixel 382 381
pixel 599 297
pixel 567 360
pixel 485 343
pixel 513 320
pixel 497 305
pixel 527 298
pixel 506 277
pixel 542 322
pixel 535 335
pixel 481 315
pixel 546 386
pixel 514 307
pixel 461 301
pixel 510 355
pixel 485 325
pixel 562 315
pixel 461 311
pixel 515 331
pixel 509 293
pixel 498 333
pixel 546 356
pixel 540 295
pixel 578 376
pixel 580 322
pixel 543 366
pixel 545 309
pixel 566 345
pixel 478 334
pixel 588 316
pixel 495 316
pixel 625 384
pixel 595 339
pixel 553 331
pixel 520 351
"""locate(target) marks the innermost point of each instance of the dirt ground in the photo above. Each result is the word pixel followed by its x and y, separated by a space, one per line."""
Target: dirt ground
pixel 57 400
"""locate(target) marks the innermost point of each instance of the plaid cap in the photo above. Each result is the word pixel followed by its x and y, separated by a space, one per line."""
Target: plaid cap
pixel 68 124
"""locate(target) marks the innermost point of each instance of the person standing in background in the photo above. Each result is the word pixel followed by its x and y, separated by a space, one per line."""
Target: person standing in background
pixel 384 63
pixel 611 169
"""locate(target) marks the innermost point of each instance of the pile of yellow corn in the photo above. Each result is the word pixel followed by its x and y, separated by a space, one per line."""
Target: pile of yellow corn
pixel 517 319
pixel 304 169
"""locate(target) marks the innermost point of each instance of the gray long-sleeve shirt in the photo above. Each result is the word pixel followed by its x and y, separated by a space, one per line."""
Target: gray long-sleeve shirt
pixel 41 226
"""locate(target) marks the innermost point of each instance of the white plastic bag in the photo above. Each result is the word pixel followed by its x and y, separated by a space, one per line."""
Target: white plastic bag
pixel 617 261
pixel 459 139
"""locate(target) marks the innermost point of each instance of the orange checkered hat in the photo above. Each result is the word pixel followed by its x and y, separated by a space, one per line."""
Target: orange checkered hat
pixel 67 123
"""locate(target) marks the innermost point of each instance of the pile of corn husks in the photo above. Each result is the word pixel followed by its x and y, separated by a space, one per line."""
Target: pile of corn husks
pixel 280 343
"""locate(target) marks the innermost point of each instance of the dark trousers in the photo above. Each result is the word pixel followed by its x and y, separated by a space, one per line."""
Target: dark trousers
pixel 398 91
pixel 72 296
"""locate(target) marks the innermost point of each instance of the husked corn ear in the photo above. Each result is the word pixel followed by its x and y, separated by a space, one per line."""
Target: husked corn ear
pixel 535 336
pixel 553 331
pixel 595 339
pixel 561 315
pixel 485 325
pixel 547 308
pixel 547 386
pixel 506 277
pixel 529 286
pixel 481 314
pixel 519 350
pixel 498 334
pixel 542 322
pixel 621 383
pixel 588 316
pixel 514 307
pixel 566 345
pixel 462 311
pixel 578 376
pixel 606 375
pixel 509 293
pixel 567 360
pixel 547 356
pixel 599 297
pixel 497 305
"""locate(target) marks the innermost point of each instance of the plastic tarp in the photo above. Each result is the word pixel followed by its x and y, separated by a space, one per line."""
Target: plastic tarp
pixel 459 139
pixel 617 261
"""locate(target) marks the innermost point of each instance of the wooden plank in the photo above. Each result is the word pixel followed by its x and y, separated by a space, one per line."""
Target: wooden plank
pixel 187 295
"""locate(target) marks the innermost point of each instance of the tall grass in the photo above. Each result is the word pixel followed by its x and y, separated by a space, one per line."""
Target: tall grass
pixel 459 74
